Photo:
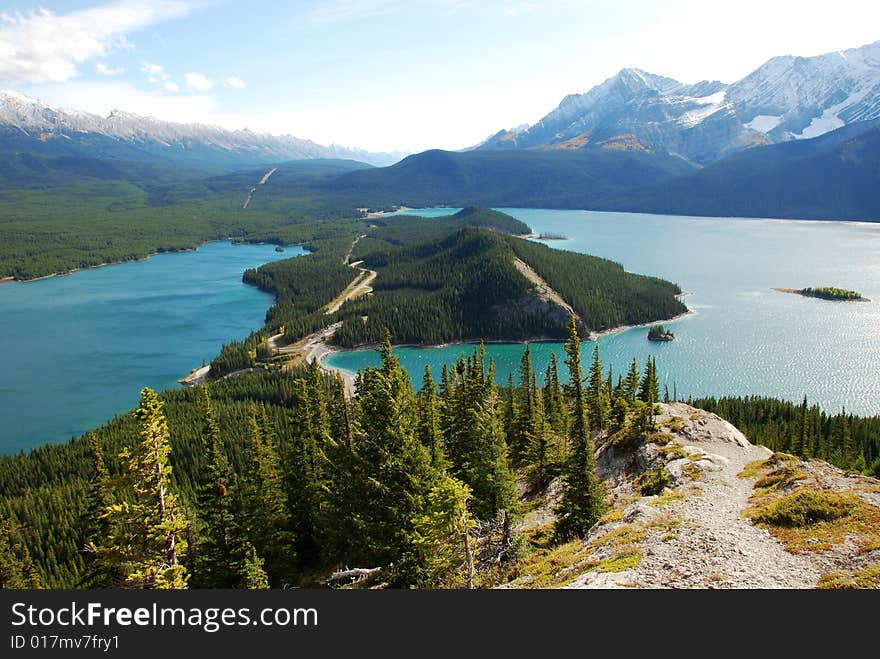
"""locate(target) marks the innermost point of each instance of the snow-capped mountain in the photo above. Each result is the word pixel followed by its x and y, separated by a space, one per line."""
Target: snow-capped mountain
pixel 786 98
pixel 27 124
pixel 803 97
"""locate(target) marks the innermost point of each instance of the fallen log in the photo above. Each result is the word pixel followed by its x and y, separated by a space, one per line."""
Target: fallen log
pixel 350 576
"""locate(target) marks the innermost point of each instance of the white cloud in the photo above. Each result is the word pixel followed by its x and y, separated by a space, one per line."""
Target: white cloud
pixel 198 82
pixel 171 87
pixel 233 81
pixel 155 72
pixel 42 46
pixel 104 70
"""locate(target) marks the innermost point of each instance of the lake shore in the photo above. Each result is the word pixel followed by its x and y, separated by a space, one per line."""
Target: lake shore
pixel 323 350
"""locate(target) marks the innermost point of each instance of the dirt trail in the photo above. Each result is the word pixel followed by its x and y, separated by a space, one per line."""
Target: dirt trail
pixel 711 545
pixel 360 286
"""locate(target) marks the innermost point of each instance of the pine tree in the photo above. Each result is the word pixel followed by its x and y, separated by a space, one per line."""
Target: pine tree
pixel 95 525
pixel 252 576
pixel 220 543
pixel 147 529
pixel 17 571
pixel 429 422
pixel 597 399
pixel 441 534
pixel 554 402
pixel 801 446
pixel 264 515
pixel 528 418
pixel 631 383
pixel 583 500
pixel 393 469
pixel 649 394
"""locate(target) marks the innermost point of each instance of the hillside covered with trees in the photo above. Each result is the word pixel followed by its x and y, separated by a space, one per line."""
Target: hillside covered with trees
pixel 273 479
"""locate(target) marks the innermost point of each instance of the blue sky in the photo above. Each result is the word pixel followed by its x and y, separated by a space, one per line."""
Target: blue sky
pixel 390 74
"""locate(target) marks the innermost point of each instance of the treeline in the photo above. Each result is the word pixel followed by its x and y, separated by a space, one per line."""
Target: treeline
pixel 831 293
pixel 847 441
pixel 278 479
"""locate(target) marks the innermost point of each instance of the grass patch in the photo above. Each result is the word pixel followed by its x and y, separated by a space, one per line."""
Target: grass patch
pixel 694 416
pixel 626 559
pixel 869 578
pixel 626 534
pixel 668 536
pixel 611 516
pixel 668 498
pixel 660 438
pixel 754 469
pixel 780 478
pixel 692 471
pixel 809 520
pixel 672 451
pixel 674 423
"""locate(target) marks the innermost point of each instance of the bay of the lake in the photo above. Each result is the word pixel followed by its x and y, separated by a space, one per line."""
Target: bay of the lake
pixel 77 349
pixel 743 337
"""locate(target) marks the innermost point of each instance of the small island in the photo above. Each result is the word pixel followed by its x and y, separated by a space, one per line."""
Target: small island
pixel 826 293
pixel 660 333
pixel 279 248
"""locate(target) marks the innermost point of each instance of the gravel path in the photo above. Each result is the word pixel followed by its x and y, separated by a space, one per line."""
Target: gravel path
pixel 712 547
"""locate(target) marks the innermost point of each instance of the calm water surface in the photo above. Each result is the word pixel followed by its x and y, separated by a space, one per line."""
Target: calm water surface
pixel 744 338
pixel 77 349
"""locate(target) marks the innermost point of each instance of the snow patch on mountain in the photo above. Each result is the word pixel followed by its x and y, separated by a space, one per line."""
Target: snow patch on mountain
pixel 764 123
pixel 708 105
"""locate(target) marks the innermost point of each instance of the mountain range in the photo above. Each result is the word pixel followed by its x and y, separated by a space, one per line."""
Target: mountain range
pixel 28 125
pixel 798 137
pixel 788 98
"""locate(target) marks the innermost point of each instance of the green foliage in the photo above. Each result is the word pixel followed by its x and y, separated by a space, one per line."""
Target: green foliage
pixel 831 293
pixel 440 535
pixel 17 571
pixel 147 529
pixel 844 440
pixel 804 507
pixel 583 499
pixel 655 482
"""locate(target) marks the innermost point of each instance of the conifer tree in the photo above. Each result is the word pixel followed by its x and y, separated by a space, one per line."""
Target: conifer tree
pixel 220 542
pixel 147 529
pixel 631 383
pixel 597 399
pixel 393 468
pixel 252 575
pixel 583 499
pixel 441 534
pixel 95 524
pixel 554 402
pixel 264 514
pixel 339 411
pixel 17 571
pixel 429 422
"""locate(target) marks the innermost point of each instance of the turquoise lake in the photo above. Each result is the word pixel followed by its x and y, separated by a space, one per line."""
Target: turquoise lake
pixel 78 349
pixel 744 337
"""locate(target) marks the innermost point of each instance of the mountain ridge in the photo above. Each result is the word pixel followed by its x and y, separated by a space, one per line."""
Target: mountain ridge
pixel 27 124
pixel 786 98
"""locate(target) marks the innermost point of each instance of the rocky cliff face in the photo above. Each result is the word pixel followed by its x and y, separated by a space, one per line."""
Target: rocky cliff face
pixel 730 515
